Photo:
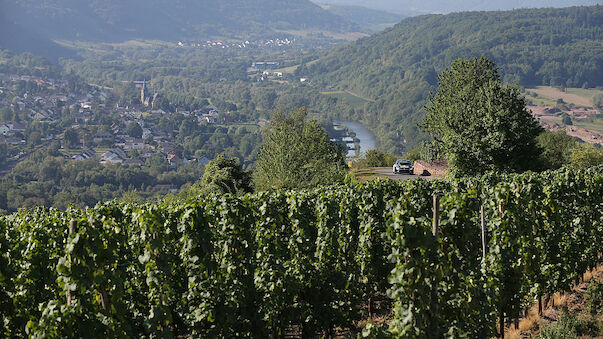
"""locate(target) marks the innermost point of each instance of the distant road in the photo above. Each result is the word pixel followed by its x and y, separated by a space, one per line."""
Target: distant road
pixel 387 172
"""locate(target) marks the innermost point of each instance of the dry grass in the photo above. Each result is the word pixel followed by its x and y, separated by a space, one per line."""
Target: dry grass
pixel 588 276
pixel 531 321
pixel 513 334
pixel 529 325
pixel 560 299
pixel 365 174
pixel 554 94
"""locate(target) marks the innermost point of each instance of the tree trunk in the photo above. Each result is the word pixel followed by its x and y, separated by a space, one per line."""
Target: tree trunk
pixel 104 299
pixel 305 334
pixel 501 322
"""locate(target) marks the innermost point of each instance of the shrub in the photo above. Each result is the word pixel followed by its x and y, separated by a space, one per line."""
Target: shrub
pixel 594 297
pixel 586 155
pixel 557 330
pixel 569 326
pixel 375 158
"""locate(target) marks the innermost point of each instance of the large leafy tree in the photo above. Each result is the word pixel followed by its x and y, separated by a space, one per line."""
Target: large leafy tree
pixel 479 123
pixel 585 156
pixel 71 137
pixel 224 175
pixel 297 153
pixel 134 130
pixel 557 148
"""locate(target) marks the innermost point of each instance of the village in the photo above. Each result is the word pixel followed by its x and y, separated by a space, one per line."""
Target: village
pixel 222 44
pixel 38 113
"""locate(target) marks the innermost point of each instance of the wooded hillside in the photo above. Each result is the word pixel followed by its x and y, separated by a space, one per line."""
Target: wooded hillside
pixel 112 20
pixel 398 67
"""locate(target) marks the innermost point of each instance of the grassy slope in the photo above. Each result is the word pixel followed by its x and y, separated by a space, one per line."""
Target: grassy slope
pixel 593 124
pixel 351 99
pixel 548 95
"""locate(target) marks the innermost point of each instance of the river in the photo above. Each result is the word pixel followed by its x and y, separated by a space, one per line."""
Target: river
pixel 366 139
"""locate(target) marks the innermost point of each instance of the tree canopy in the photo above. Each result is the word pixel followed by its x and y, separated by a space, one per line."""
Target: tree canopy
pixel 479 123
pixel 225 175
pixel 297 153
pixel 134 130
pixel 557 148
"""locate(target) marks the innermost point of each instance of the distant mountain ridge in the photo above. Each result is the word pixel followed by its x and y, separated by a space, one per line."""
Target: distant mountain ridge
pixel 415 7
pixel 372 20
pixel 119 20
pixel 398 67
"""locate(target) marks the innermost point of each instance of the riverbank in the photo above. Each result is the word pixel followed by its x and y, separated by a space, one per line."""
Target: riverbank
pixel 359 141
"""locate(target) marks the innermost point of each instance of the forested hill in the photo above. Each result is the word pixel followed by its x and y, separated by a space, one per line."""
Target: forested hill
pixel 397 67
pixel 446 6
pixel 118 20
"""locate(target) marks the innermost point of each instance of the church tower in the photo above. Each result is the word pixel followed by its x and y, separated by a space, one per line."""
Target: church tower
pixel 142 90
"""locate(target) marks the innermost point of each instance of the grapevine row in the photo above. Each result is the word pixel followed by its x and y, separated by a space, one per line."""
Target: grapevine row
pixel 306 261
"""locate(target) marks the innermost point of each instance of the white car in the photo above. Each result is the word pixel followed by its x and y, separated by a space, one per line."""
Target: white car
pixel 402 166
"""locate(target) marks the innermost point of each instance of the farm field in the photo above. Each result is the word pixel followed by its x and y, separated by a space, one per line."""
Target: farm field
pixel 352 99
pixel 577 104
pixel 548 96
pixel 291 69
pixel 593 124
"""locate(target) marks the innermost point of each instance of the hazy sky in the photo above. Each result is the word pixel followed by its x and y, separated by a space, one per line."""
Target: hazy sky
pixel 446 6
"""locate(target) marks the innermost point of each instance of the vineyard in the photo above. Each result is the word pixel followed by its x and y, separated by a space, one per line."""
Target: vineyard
pixel 308 262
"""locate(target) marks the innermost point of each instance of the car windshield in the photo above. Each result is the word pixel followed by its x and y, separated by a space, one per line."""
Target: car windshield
pixel 403 162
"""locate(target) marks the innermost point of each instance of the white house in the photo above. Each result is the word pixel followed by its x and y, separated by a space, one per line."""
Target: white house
pixel 134 145
pixel 88 154
pixel 115 156
pixel 4 128
pixel 18 127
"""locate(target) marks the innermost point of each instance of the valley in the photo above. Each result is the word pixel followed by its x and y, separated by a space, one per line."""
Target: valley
pixel 380 82
pixel 223 169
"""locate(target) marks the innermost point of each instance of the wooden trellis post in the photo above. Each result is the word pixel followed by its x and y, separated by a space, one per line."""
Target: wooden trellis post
pixel 435 231
pixel 502 312
pixel 72 229
pixel 483 223
pixel 436 215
